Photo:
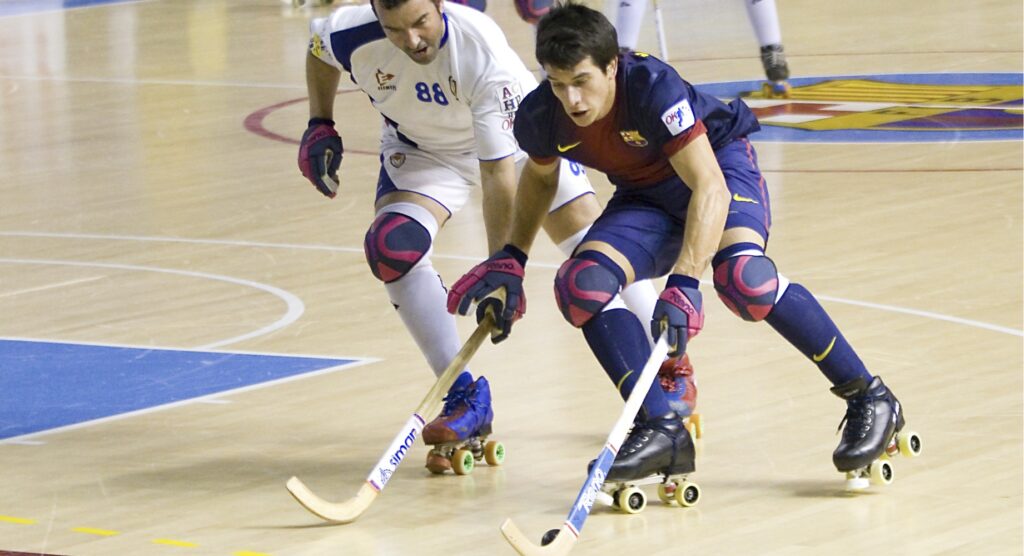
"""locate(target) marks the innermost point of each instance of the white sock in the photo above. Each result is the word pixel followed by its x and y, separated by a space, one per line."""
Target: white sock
pixel 422 302
pixel 640 298
pixel 764 18
pixel 628 20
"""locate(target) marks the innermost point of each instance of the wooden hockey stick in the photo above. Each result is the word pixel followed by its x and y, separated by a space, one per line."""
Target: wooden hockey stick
pixel 351 509
pixel 569 533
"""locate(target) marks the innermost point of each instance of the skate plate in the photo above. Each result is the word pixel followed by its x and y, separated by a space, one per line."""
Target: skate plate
pixel 461 457
pixel 776 89
pixel 881 472
pixel 627 497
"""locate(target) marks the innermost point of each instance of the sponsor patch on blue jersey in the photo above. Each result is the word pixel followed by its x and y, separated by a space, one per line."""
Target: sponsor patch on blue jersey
pixel 679 118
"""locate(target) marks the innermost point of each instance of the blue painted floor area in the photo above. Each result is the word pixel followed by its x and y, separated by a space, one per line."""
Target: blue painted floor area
pixel 46 385
pixel 19 7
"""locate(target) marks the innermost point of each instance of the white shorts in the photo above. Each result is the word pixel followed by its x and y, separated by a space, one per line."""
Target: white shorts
pixel 450 178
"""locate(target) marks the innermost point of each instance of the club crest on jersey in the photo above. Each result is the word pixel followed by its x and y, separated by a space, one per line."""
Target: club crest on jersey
pixel 397 159
pixel 509 96
pixel 679 118
pixel 633 138
pixel 316 46
pixel 384 81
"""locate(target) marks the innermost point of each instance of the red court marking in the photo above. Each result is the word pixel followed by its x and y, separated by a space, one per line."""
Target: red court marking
pixel 254 124
pixel 6 553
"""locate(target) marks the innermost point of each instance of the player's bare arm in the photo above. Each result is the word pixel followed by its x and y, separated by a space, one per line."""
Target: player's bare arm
pixel 322 83
pixel 498 181
pixel 537 186
pixel 709 205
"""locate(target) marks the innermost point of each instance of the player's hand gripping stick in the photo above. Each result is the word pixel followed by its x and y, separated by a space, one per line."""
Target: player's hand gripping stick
pixel 320 155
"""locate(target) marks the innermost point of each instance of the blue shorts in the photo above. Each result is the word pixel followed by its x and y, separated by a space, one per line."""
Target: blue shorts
pixel 646 225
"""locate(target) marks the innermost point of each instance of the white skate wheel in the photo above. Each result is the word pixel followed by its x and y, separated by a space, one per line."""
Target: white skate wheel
pixel 881 472
pixel 910 444
pixel 687 494
pixel 856 482
pixel 632 500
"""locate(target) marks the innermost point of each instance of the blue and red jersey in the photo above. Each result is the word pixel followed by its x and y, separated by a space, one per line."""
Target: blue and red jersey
pixel 655 114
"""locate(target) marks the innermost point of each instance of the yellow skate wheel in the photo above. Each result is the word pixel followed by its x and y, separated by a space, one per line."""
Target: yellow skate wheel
pixel 494 453
pixel 667 492
pixel 687 494
pixel 463 462
pixel 632 500
pixel 881 472
pixel 910 444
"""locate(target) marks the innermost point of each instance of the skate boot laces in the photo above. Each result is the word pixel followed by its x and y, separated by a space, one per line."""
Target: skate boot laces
pixel 456 399
pixel 860 414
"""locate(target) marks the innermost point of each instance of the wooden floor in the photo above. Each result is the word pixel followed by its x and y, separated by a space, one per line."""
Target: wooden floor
pixel 149 198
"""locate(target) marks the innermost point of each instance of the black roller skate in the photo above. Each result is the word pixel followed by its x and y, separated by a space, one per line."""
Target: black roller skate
pixel 873 434
pixel 459 434
pixel 657 451
pixel 773 58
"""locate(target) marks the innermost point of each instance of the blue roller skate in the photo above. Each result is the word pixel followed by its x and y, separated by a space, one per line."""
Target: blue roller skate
pixel 459 434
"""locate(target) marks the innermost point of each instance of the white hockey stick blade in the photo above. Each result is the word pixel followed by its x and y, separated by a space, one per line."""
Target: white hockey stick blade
pixel 343 512
pixel 569 533
pixel 351 509
pixel 562 544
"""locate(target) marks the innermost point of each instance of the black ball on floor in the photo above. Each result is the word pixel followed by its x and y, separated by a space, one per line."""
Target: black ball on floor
pixel 548 537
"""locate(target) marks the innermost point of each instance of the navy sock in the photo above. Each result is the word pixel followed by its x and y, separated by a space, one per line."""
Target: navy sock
pixel 799 318
pixel 620 344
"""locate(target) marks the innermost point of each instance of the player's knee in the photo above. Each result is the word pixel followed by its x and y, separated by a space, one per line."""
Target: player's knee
pixel 583 288
pixel 478 4
pixel 748 285
pixel 394 244
pixel 532 10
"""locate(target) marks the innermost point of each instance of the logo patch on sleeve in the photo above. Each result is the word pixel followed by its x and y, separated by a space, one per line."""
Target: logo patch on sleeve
pixel 509 96
pixel 679 118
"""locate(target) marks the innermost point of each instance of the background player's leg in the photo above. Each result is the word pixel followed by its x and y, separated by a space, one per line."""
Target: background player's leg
pixel 676 374
pixel 629 16
pixel 764 18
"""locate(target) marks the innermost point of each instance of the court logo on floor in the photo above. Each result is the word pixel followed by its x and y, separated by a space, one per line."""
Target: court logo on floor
pixel 942 107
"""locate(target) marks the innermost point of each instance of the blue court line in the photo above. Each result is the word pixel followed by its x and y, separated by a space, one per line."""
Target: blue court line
pixel 21 7
pixel 51 385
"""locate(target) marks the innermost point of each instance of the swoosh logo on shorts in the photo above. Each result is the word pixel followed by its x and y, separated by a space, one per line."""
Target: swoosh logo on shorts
pixel 741 199
pixel 818 358
pixel 565 148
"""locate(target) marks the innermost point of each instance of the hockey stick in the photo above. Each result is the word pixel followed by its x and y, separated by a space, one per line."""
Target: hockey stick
pixel 351 509
pixel 566 537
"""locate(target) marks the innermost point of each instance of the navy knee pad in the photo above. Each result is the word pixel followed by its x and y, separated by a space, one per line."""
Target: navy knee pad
pixel 583 288
pixel 394 244
pixel 747 285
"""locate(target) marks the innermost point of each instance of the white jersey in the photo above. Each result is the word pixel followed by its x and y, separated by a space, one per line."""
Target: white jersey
pixel 464 102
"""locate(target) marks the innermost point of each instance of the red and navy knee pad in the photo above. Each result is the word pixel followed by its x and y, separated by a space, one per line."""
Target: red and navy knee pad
pixel 478 4
pixel 585 285
pixel 532 10
pixel 746 281
pixel 394 244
